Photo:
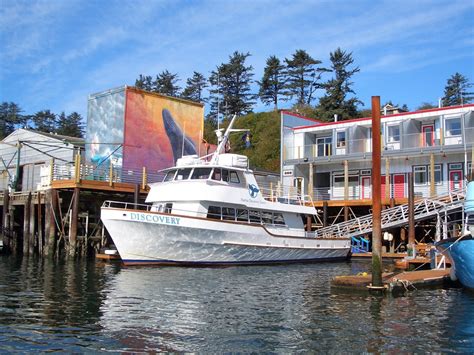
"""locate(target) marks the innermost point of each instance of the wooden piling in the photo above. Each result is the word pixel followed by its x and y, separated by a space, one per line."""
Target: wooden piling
pixel 40 226
pixel 136 194
pixel 26 225
pixel 325 213
pixel 432 176
pixel 50 222
pixel 376 196
pixel 32 243
pixel 73 226
pixel 6 222
pixel 411 211
pixel 346 190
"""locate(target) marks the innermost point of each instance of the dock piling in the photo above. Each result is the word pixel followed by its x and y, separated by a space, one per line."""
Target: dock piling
pixel 376 197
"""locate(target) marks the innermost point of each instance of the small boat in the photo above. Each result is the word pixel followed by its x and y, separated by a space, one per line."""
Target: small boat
pixel 212 211
pixel 461 249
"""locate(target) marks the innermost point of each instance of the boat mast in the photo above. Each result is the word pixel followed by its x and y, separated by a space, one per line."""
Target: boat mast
pixel 224 140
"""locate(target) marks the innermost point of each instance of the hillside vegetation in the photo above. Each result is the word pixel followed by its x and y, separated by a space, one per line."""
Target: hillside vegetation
pixel 264 152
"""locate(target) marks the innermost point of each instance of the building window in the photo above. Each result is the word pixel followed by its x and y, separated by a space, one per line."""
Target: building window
pixel 393 134
pixel 341 139
pixel 420 175
pixel 324 146
pixel 438 177
pixel 453 127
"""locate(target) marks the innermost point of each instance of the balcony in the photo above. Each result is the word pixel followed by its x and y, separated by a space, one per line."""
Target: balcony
pixel 408 144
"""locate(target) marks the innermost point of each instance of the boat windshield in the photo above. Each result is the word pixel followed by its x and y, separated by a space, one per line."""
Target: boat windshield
pixel 183 174
pixel 201 173
pixel 169 175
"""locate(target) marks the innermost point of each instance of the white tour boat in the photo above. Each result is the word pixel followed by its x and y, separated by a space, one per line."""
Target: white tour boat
pixel 214 213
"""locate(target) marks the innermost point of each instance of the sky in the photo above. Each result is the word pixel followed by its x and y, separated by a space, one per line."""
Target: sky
pixel 54 53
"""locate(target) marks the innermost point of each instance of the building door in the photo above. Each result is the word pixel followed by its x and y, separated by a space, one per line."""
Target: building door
pixel 455 179
pixel 366 187
pixel 298 183
pixel 428 136
pixel 399 185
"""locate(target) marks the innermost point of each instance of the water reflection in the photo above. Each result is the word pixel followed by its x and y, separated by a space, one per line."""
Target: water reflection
pixel 88 306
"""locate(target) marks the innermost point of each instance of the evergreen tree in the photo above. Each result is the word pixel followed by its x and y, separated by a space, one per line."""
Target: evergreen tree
pixel 45 121
pixel 456 91
pixel 273 82
pixel 231 86
pixel 166 84
pixel 335 101
pixel 70 125
pixel 10 118
pixel 144 82
pixel 302 77
pixel 195 87
pixel 426 106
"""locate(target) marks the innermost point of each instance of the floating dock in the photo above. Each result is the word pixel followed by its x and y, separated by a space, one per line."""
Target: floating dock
pixel 396 282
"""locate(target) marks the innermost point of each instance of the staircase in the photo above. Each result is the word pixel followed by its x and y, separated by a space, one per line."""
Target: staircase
pixel 396 216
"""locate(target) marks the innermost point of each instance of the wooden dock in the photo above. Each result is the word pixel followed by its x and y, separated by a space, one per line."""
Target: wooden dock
pixel 384 255
pixel 396 282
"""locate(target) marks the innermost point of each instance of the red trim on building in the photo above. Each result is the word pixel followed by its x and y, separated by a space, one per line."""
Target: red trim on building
pixel 369 118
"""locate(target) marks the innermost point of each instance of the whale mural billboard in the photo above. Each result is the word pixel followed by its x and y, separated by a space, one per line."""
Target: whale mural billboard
pixel 133 128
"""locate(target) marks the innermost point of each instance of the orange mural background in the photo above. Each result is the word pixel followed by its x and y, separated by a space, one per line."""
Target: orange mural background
pixel 155 126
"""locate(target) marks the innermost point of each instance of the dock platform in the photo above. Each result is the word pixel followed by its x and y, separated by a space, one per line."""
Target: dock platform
pixel 396 282
pixel 384 255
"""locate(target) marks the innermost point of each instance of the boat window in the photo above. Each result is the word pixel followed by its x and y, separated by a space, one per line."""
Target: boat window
pixel 228 214
pixel 168 207
pixel 216 174
pixel 169 175
pixel 266 217
pixel 278 219
pixel 214 212
pixel 254 216
pixel 234 178
pixel 201 173
pixel 242 215
pixel 183 174
pixel 225 175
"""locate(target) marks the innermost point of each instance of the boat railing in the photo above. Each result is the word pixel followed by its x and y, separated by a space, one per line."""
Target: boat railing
pixel 287 196
pixel 126 205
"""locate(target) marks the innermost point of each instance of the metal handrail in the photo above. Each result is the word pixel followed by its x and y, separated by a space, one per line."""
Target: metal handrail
pixel 396 216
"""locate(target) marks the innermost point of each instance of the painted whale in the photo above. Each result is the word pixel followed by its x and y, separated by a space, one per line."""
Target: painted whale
pixel 176 136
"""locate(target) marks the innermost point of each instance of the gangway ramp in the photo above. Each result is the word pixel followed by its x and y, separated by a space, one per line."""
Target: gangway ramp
pixel 396 216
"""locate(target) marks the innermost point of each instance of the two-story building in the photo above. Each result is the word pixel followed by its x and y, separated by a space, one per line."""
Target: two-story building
pixel 333 161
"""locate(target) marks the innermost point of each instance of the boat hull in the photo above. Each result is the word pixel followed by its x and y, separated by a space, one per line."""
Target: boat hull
pixel 155 238
pixel 461 253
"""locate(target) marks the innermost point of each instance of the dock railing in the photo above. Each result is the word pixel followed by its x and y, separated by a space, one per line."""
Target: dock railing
pixel 111 174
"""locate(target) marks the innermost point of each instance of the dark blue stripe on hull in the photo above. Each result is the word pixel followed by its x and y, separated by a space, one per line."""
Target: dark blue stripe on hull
pixel 229 263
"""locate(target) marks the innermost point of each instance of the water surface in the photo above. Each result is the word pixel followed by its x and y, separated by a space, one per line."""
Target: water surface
pixel 91 306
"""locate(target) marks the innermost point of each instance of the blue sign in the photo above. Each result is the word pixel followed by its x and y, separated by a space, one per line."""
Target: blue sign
pixel 253 190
